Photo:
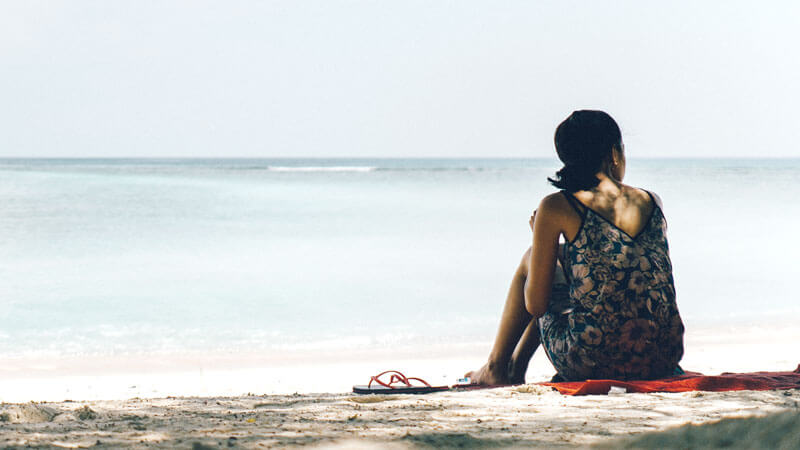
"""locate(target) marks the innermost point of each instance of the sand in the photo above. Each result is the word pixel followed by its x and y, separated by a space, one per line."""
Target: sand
pixel 192 400
pixel 527 415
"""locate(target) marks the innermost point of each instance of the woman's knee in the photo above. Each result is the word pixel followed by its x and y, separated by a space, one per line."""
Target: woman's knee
pixel 526 258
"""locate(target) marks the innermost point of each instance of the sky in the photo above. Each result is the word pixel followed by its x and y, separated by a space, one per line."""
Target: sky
pixel 410 78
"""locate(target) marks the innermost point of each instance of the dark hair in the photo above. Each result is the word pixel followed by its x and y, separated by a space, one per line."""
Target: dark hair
pixel 583 141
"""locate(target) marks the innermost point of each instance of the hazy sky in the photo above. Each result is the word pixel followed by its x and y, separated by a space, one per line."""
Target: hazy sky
pixel 394 78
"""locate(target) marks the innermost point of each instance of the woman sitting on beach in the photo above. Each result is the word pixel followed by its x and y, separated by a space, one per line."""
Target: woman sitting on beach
pixel 603 303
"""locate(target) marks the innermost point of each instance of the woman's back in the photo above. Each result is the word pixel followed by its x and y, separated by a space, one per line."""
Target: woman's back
pixel 616 316
pixel 625 207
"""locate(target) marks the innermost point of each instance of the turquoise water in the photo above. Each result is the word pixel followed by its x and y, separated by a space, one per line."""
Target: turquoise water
pixel 114 256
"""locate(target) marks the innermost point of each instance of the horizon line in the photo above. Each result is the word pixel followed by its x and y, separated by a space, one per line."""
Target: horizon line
pixel 377 157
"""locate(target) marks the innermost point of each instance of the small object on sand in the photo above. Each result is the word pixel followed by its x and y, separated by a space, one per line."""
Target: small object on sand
pixel 86 413
pixel 466 383
pixel 397 384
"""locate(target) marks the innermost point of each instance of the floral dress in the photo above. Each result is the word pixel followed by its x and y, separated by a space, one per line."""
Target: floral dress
pixel 614 314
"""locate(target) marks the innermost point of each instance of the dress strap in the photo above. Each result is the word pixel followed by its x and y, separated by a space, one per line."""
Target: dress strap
pixel 576 205
pixel 655 206
pixel 652 198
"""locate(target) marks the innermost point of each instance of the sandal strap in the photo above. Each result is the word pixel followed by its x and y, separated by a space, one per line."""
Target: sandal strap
pixel 396 377
pixel 420 380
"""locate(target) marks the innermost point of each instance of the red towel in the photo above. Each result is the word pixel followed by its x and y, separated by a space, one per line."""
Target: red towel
pixel 691 381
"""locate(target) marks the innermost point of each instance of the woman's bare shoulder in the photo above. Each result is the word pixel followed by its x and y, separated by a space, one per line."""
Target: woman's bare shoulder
pixel 646 194
pixel 640 196
pixel 657 199
pixel 560 216
pixel 555 205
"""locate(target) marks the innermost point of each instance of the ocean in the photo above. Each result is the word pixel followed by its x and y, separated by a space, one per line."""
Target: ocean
pixel 123 256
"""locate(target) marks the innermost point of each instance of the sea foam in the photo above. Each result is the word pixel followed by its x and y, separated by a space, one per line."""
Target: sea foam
pixel 321 168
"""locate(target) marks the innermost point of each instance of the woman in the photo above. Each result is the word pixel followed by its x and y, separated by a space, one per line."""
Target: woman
pixel 603 303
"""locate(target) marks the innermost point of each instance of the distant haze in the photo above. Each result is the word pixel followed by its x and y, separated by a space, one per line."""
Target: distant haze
pixel 394 78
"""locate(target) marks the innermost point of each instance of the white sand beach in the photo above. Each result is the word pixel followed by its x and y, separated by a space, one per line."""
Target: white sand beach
pixel 527 415
pixel 254 400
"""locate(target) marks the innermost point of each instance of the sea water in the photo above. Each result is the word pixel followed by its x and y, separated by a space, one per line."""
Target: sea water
pixel 110 256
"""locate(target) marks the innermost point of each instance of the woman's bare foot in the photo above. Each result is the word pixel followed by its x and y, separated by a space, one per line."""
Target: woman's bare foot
pixel 489 375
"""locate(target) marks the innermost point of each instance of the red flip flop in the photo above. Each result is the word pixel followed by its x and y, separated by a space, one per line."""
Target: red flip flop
pixel 397 384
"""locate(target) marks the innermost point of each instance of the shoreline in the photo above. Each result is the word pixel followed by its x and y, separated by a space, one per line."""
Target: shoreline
pixel 300 397
pixel 711 350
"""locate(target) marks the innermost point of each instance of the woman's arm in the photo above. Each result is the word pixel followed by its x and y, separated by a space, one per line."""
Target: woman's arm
pixel 547 227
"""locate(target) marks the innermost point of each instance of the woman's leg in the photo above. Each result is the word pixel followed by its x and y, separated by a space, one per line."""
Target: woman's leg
pixel 531 338
pixel 524 352
pixel 517 336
